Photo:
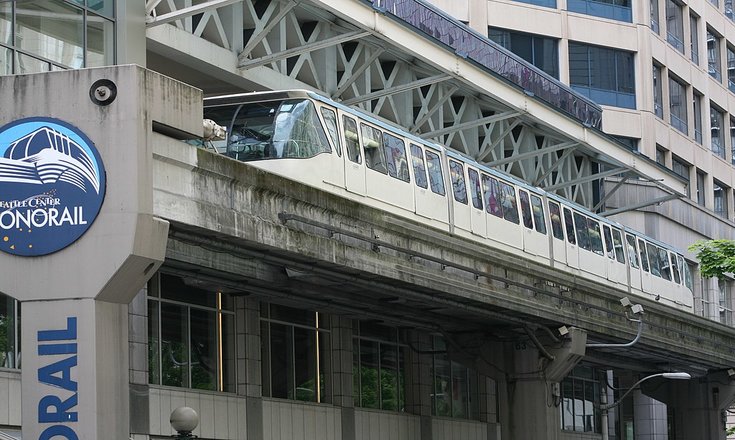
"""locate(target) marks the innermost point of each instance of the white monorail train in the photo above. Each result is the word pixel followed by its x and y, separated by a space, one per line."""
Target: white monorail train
pixel 308 138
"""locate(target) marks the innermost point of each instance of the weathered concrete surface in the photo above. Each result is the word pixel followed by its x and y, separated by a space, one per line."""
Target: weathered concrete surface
pixel 225 216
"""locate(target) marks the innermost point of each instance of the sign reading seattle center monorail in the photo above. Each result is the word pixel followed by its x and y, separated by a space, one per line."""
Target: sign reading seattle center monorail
pixel 52 185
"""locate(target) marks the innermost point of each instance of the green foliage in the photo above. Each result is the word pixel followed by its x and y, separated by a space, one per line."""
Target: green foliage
pixel 716 257
pixel 730 431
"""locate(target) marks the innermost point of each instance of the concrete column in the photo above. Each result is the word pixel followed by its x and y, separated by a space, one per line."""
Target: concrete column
pixel 249 363
pixel 419 381
pixel 699 404
pixel 342 380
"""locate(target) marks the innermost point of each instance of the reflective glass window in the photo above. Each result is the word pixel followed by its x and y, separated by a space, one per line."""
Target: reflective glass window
pixel 436 178
pixel 395 153
pixel 330 120
pixel 379 367
pixel 510 207
pixel 580 223
pixel 595 236
pixel 608 242
pixel 644 255
pixel 372 142
pixel 664 264
pixel 456 172
pixel 653 259
pixel 632 251
pixel 555 214
pixel 475 189
pixel 539 219
pixel 351 140
pixel 493 195
pixel 618 243
pixel 419 169
pixel 569 224
pixel 51 29
pixel 675 269
pixel 100 41
pixel 525 209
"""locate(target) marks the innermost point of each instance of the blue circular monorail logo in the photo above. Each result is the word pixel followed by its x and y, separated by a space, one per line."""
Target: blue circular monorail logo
pixel 52 185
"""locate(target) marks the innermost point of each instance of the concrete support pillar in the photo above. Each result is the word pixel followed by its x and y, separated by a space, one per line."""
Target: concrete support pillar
pixel 342 380
pixel 419 381
pixel 249 364
pixel 698 405
pixel 75 381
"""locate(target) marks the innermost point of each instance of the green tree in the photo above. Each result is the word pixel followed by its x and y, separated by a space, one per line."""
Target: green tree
pixel 716 257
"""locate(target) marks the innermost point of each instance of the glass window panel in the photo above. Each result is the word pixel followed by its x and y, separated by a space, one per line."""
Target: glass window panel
pixel 539 219
pixel 569 224
pixel 377 331
pixel 664 264
pixel 608 242
pixel 694 36
pixel 174 288
pixel 678 105
pixel 436 178
pixel 203 349
pixel 510 207
pixel 475 189
pixel 305 360
pixel 389 377
pixel 675 25
pixel 6 61
pixel 556 227
pixel 372 140
pixel 567 411
pixel 174 345
pixel 281 361
pixel 292 315
pixel 713 55
pixel 51 29
pixel 632 251
pixel 28 64
pixel 654 259
pixel 675 269
pixel 330 120
pixel 100 41
pixel 618 243
pixel 580 222
pixel 579 63
pixel 154 354
pixel 402 378
pixel 493 195
pixel 104 7
pixel 6 23
pixel 265 356
pixel 351 139
pixel 578 405
pixel 595 236
pixel 229 381
pixel 644 255
pixel 525 209
pixel 395 153
pixel 419 169
pixel 442 386
pixel 460 393
pixel 658 103
pixel 324 367
pixel 356 373
pixel 456 172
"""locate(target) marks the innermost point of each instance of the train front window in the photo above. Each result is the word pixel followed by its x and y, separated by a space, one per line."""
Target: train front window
pixel 272 130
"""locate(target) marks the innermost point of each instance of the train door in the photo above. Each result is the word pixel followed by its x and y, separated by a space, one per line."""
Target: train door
pixel 336 173
pixel 558 243
pixel 478 220
pixel 354 170
pixel 616 267
pixel 634 262
pixel 430 194
pixel 646 277
pixel 503 224
pixel 460 201
pixel 534 227
pixel 571 243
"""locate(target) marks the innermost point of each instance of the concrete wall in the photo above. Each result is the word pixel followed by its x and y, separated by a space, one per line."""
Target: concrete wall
pixel 446 429
pixel 287 420
pixel 9 397
pixel 380 425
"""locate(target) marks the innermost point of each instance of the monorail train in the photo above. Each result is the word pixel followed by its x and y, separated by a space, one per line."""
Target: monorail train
pixel 306 137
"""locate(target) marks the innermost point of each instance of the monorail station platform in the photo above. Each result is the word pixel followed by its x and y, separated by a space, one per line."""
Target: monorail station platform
pixel 280 311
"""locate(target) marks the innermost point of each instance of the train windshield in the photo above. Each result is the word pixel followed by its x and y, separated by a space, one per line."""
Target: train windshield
pixel 271 130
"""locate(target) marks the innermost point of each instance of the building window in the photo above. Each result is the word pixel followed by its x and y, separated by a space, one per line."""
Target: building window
pixel 628 142
pixel 700 188
pixel 658 103
pixel 604 75
pixel 455 392
pixel 191 336
pixel 614 9
pixel 730 68
pixel 580 404
pixel 725 305
pixel 716 3
pixel 694 38
pixel 697 112
pixel 717 132
pixel 379 369
pixel 678 105
pixel 728 10
pixel 544 3
pixel 654 16
pixel 660 155
pixel 681 168
pixel 732 140
pixel 713 55
pixel 45 35
pixel 9 332
pixel 295 348
pixel 675 25
pixel 720 195
pixel 540 51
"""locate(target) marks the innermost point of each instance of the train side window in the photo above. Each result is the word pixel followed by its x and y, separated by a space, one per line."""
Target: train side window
pixel 555 214
pixel 644 255
pixel 682 267
pixel 632 252
pixel 569 224
pixel 475 189
pixel 608 242
pixel 538 214
pixel 675 268
pixel 580 222
pixel 330 120
pixel 352 142
pixel 618 243
pixel 653 259
pixel 491 186
pixel 510 206
pixel 372 142
pixel 395 153
pixel 436 179
pixel 664 264
pixel 525 209
pixel 419 169
pixel 593 228
pixel 456 172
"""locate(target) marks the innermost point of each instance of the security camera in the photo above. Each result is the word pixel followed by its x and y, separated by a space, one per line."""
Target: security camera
pixel 563 330
pixel 637 309
pixel 625 302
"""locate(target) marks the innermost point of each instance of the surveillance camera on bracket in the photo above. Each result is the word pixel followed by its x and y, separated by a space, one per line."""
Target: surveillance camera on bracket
pixel 625 302
pixel 563 330
pixel 636 309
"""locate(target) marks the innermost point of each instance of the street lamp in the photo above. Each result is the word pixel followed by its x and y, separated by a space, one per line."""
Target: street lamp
pixel 604 406
pixel 184 420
